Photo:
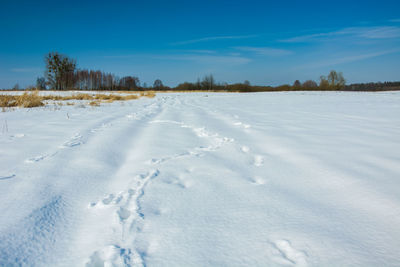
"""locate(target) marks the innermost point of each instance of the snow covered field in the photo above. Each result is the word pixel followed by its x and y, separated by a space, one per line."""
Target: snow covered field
pixel 266 179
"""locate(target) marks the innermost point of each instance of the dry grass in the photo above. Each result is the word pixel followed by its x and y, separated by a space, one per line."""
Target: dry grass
pixel 33 99
pixel 111 98
pixel 26 100
pixel 94 103
pixel 149 94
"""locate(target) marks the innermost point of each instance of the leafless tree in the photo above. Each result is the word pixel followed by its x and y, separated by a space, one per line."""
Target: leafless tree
pixel 310 84
pixel 158 84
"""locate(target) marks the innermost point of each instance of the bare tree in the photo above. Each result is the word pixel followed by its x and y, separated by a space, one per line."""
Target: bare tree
pixel 129 83
pixel 158 84
pixel 323 83
pixel 310 84
pixel 336 79
pixel 41 83
pixel 208 82
pixel 297 84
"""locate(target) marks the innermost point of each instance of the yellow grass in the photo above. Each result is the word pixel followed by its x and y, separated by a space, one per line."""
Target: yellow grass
pixel 94 103
pixel 149 94
pixel 26 100
pixel 33 99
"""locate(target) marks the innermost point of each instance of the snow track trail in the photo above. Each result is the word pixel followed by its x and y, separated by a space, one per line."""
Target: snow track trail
pixel 274 179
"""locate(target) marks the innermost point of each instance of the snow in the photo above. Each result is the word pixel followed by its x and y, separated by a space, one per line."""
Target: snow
pixel 264 179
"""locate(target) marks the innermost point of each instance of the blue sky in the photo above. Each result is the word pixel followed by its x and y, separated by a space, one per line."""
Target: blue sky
pixel 265 42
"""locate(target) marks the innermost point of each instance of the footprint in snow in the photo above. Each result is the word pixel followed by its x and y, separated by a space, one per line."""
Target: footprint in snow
pixel 258 160
pixel 180 182
pixel 39 158
pixel 101 127
pixel 239 123
pixel 18 135
pixel 257 180
pixel 123 213
pixel 245 149
pixel 114 255
pixel 76 140
pixel 114 199
pixel 289 255
pixel 36 159
pixel 107 200
pixel 131 116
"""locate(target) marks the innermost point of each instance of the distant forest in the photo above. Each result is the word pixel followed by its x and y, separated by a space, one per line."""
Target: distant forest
pixel 62 74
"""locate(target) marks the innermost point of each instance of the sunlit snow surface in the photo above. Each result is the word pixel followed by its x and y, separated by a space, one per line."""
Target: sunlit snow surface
pixel 266 179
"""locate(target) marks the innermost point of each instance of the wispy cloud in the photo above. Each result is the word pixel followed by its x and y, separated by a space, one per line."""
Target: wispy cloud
pixel 265 51
pixel 120 56
pixel 214 38
pixel 377 32
pixel 200 51
pixel 25 69
pixel 207 59
pixel 349 58
pixel 196 56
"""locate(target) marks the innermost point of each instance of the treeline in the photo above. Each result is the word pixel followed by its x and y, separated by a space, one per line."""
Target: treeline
pixel 62 74
pixel 379 86
pixel 334 81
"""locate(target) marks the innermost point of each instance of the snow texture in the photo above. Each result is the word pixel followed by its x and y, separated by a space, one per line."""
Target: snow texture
pixel 266 179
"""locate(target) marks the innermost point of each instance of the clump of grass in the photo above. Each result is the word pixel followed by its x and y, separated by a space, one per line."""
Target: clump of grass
pixel 54 97
pixel 111 98
pixel 149 94
pixel 33 99
pixel 26 100
pixel 80 96
pixel 7 101
pixel 131 97
pixel 94 103
pixel 30 100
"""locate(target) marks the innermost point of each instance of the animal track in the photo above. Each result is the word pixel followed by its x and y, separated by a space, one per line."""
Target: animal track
pixel 114 255
pixel 131 116
pixel 36 159
pixel 40 158
pixel 216 140
pixel 245 149
pixel 101 128
pixel 258 160
pixel 258 180
pixel 18 135
pixel 108 199
pixel 127 208
pixel 76 140
pixel 289 255
pixel 178 181
pixel 239 123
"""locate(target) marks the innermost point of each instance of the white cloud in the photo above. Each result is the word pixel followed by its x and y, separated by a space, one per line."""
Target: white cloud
pixel 200 51
pixel 25 69
pixel 208 59
pixel 265 51
pixel 349 58
pixel 377 32
pixel 213 38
